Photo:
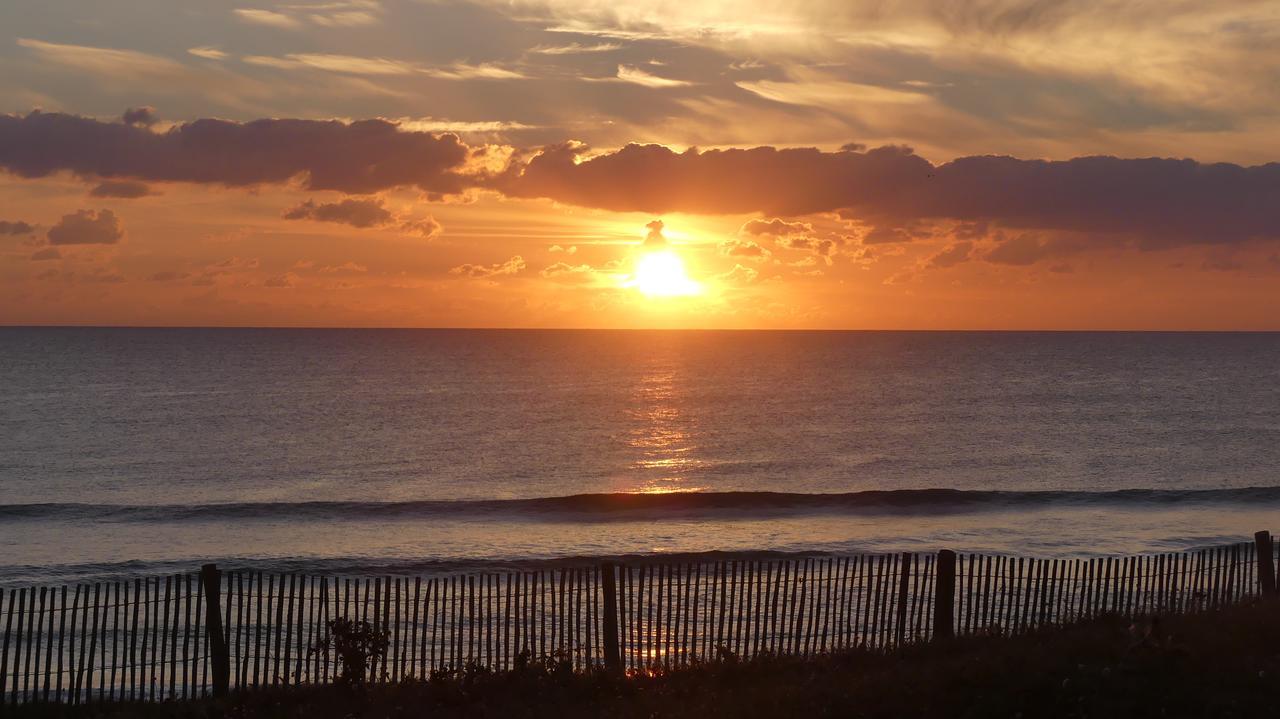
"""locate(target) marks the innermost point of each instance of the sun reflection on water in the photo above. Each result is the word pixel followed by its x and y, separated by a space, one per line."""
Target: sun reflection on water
pixel 662 438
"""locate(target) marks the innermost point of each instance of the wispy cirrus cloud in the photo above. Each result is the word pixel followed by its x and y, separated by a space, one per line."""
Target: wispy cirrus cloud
pixel 354 65
pixel 575 48
pixel 638 76
pixel 334 63
pixel 271 18
pixel 103 61
pixel 207 52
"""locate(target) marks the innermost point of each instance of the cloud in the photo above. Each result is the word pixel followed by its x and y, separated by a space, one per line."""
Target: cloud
pixel 364 213
pixel 565 272
pixel 744 248
pixel 352 13
pixel 48 253
pixel 570 250
pixel 775 228
pixel 355 212
pixel 335 63
pixel 1029 248
pixel 357 158
pixel 952 255
pixel 144 116
pixel 654 239
pixel 464 71
pixel 434 125
pixel 356 65
pixel 124 189
pixel 346 268
pixel 1153 202
pixel 11 227
pixel 512 266
pixel 87 227
pixel 104 61
pixel 820 246
pixel 266 17
pixel 739 275
pixel 427 228
pixel 791 235
pixel 886 235
pixel 575 48
pixel 208 53
pixel 286 280
pixel 636 76
pixel 1148 202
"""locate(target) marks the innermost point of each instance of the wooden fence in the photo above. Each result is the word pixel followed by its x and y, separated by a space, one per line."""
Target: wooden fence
pixel 188 635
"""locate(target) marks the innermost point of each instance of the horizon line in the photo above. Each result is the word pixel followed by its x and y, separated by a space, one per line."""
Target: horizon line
pixel 989 330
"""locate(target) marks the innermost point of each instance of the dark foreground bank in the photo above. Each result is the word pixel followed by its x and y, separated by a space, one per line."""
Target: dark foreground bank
pixel 1224 664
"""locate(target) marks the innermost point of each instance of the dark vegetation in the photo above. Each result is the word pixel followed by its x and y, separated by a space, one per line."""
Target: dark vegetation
pixel 1224 664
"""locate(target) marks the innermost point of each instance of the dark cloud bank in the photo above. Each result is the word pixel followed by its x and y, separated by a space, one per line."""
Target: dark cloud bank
pixel 1152 202
pixel 360 157
pixel 1160 202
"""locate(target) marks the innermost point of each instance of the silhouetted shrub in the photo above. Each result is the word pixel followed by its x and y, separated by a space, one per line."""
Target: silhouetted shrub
pixel 358 646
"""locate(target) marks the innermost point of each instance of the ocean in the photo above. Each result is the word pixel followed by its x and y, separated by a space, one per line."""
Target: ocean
pixel 137 451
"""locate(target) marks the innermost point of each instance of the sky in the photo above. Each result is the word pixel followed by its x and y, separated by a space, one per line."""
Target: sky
pixel 843 164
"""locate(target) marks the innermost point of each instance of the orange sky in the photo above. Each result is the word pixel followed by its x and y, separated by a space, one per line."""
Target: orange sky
pixel 467 164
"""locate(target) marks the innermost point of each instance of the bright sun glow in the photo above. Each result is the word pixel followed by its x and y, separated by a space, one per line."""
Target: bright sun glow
pixel 662 274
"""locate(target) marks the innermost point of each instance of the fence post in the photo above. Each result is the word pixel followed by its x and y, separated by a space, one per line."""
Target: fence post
pixel 903 586
pixel 612 657
pixel 1266 570
pixel 210 579
pixel 944 600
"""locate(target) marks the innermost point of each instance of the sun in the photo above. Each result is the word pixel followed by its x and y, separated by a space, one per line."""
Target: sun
pixel 661 273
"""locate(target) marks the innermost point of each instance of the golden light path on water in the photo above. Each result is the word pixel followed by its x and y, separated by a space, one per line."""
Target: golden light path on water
pixel 660 436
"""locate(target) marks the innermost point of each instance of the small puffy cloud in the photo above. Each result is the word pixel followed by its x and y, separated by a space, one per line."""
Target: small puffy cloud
pixel 87 227
pixel 12 227
pixel 822 247
pixel 565 272
pixel 748 249
pixel 775 228
pixel 346 268
pixel 886 235
pixel 790 235
pixel 953 255
pixel 286 280
pixel 655 238
pixel 48 253
pixel 570 250
pixel 427 228
pixel 512 266
pixel 739 275
pixel 363 213
pixel 144 116
pixel 123 189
